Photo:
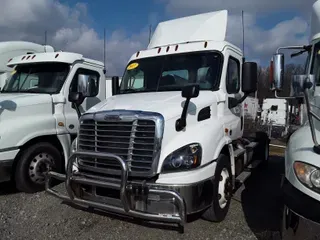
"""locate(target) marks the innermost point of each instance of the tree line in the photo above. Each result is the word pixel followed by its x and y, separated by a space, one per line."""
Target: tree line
pixel 263 89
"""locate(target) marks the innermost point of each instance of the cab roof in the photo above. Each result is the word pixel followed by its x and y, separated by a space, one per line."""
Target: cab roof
pixel 211 26
pixel 62 57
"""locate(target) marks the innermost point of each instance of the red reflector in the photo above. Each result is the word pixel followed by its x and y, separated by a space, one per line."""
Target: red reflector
pixel 57 55
pixel 33 56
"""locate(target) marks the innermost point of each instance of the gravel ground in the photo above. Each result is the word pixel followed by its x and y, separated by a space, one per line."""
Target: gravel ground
pixel 40 216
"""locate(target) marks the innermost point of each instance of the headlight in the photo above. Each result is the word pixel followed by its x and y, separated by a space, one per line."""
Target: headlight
pixel 74 145
pixel 185 158
pixel 309 175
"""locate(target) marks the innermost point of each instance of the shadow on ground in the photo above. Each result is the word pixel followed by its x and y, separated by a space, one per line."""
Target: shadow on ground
pixel 261 200
pixel 7 188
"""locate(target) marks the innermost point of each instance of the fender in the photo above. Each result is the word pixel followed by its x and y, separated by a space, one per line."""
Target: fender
pixel 226 141
pixel 65 141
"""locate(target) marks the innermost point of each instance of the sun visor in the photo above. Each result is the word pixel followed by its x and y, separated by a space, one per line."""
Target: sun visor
pixel 210 26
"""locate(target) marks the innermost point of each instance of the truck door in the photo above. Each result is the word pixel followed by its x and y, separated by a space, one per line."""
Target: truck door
pixel 234 115
pixel 72 121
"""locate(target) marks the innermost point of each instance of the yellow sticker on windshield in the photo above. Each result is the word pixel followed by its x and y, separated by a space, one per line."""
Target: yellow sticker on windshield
pixel 132 66
pixel 13 72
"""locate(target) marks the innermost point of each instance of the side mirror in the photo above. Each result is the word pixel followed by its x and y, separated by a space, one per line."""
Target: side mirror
pixel 278 72
pixel 88 85
pixel 76 98
pixel 249 77
pixel 115 85
pixel 190 91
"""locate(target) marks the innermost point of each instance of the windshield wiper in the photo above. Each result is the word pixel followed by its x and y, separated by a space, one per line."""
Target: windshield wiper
pixel 131 90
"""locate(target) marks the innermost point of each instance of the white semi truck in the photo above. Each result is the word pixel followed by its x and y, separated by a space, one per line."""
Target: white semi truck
pixel 12 49
pixel 38 122
pixel 301 181
pixel 170 142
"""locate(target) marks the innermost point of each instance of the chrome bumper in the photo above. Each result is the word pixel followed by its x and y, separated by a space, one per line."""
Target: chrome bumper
pixel 127 205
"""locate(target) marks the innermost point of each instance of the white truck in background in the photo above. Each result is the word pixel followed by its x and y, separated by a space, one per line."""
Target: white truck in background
pixel 301 181
pixel 38 122
pixel 11 49
pixel 274 111
pixel 170 142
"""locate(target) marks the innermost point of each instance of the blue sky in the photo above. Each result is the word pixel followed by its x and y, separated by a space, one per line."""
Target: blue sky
pixel 130 16
pixel 77 25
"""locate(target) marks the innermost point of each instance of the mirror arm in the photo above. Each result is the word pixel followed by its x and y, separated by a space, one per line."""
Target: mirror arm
pixel 243 98
pixel 232 102
pixel 76 107
pixel 292 47
pixel 182 122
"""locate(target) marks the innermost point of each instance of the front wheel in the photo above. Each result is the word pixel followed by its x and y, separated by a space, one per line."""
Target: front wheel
pixel 222 191
pixel 33 164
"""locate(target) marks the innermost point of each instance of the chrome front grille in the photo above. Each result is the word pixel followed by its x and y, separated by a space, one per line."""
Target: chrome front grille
pixel 134 139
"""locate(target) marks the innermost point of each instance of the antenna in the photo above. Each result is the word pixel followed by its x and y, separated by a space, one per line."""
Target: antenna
pixel 150 32
pixel 104 50
pixel 242 18
pixel 45 41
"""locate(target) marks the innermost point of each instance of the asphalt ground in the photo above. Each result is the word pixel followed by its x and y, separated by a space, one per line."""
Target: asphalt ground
pixel 256 214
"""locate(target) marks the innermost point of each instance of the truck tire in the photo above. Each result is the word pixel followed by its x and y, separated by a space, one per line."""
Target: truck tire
pixel 222 191
pixel 32 165
pixel 261 152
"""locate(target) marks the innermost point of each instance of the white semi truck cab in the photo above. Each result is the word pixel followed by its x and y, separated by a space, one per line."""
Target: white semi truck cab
pixel 301 181
pixel 170 142
pixel 37 120
pixel 10 49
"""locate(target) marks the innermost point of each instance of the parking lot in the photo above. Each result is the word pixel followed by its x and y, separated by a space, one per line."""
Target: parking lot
pixel 40 216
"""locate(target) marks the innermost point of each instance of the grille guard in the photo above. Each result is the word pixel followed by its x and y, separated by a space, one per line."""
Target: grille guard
pixel 124 187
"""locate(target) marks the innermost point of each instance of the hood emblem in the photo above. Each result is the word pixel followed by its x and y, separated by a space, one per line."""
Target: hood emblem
pixel 112 118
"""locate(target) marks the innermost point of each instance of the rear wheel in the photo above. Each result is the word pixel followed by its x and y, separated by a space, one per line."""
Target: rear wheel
pixel 34 163
pixel 222 191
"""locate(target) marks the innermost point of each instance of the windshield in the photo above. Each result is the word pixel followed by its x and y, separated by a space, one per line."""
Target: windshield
pixel 37 78
pixel 172 72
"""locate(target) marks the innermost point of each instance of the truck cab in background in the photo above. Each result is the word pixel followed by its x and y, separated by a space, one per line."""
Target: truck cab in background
pixel 38 122
pixel 11 49
pixel 170 142
pixel 301 181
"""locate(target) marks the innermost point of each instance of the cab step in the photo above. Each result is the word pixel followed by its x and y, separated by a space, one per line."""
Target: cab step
pixel 238 192
pixel 254 164
pixel 243 176
pixel 251 145
pixel 237 153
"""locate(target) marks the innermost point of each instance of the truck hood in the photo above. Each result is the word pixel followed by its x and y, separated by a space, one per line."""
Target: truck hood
pixel 169 104
pixel 10 103
pixel 22 99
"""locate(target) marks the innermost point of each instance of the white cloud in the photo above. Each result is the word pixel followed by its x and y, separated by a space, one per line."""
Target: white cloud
pixel 67 29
